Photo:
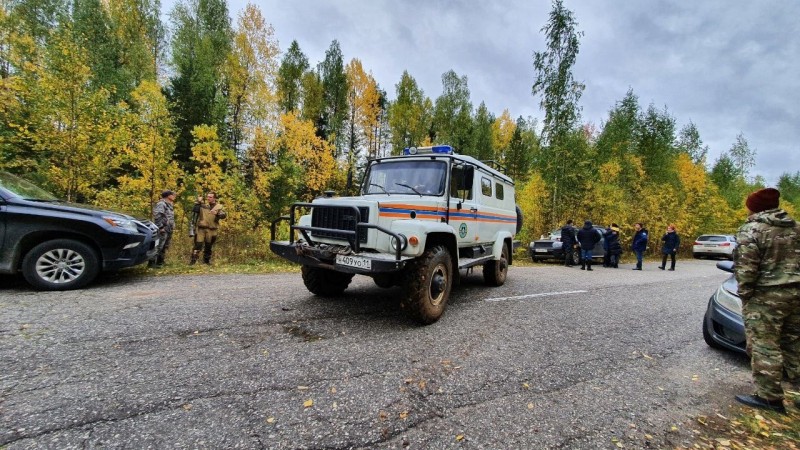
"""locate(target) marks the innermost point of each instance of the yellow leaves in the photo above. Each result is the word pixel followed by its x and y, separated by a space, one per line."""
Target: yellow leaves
pixel 308 403
pixel 270 420
pixel 403 415
pixel 459 437
pixel 530 406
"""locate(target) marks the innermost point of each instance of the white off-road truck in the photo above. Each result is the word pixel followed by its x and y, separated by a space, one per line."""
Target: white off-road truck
pixel 421 218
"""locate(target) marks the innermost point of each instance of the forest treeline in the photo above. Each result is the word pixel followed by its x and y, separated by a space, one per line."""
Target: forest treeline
pixel 106 103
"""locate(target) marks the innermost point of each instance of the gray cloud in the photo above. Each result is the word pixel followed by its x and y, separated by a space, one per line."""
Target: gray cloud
pixel 729 67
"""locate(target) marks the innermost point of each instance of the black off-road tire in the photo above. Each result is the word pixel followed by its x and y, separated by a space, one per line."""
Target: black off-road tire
pixel 428 282
pixel 324 282
pixel 60 265
pixel 496 271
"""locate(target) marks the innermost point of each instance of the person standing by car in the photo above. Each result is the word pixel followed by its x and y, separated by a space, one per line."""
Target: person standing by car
pixel 671 242
pixel 639 245
pixel 614 248
pixel 164 218
pixel 568 243
pixel 207 228
pixel 587 238
pixel 766 266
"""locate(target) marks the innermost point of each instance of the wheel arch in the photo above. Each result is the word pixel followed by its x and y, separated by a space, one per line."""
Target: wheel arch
pixel 446 240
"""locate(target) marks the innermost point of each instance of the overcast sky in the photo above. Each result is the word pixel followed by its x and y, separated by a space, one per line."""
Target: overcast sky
pixel 729 67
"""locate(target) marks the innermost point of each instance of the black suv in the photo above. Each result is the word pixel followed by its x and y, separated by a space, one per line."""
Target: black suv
pixel 60 246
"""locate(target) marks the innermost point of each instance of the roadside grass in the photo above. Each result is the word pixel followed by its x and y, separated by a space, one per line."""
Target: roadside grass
pixel 749 429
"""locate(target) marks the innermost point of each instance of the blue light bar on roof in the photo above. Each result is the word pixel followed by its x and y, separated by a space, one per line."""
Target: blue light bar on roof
pixel 441 149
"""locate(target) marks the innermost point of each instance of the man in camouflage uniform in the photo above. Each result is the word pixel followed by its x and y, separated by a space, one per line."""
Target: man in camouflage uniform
pixel 207 227
pixel 164 218
pixel 768 272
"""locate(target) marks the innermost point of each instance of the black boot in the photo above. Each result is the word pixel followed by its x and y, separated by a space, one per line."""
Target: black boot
pixel 638 266
pixel 195 254
pixel 761 403
pixel 583 265
pixel 589 265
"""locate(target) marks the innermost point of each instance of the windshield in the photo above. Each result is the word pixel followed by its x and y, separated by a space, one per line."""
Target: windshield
pixel 420 177
pixel 23 188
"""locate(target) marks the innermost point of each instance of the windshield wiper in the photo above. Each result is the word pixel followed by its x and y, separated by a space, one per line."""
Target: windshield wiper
pixel 410 187
pixel 380 187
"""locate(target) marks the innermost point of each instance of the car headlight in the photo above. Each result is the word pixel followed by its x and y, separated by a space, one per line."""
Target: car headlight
pixel 729 301
pixel 118 221
pixel 403 242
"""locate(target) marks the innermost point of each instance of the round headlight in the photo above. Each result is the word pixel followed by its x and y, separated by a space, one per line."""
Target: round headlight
pixel 402 244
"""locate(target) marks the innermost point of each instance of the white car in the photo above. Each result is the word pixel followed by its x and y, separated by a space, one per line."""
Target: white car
pixel 714 245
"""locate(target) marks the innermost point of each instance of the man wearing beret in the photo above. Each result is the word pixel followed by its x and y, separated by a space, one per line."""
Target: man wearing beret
pixel 767 268
pixel 164 218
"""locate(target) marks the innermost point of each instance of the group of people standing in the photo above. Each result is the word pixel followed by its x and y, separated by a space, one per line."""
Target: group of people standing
pixel 203 227
pixel 767 271
pixel 584 240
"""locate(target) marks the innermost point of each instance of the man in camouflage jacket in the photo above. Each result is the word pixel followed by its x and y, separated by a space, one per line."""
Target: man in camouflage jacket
pixel 164 218
pixel 768 272
pixel 207 227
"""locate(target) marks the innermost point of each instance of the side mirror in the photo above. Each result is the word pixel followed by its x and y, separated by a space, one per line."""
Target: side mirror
pixel 469 178
pixel 727 266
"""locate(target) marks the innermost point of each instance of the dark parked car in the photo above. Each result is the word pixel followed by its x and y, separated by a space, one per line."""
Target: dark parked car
pixel 550 247
pixel 723 325
pixel 60 246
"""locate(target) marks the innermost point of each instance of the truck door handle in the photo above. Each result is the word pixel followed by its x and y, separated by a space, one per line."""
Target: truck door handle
pixel 474 209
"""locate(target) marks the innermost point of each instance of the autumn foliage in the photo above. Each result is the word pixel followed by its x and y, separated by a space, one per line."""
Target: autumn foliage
pixel 98 106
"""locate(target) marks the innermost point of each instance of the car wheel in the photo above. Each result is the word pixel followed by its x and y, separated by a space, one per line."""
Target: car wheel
pixel 60 265
pixel 495 272
pixel 428 282
pixel 324 282
pixel 707 335
pixel 576 258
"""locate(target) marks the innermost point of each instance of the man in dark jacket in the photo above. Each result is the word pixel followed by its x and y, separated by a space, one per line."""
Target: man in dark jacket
pixel 587 238
pixel 639 244
pixel 670 247
pixel 568 243
pixel 614 248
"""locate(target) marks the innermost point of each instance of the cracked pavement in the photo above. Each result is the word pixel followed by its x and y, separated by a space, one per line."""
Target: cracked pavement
pixel 255 361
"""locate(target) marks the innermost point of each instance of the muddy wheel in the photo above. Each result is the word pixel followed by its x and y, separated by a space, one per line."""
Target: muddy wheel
pixel 495 272
pixel 324 282
pixel 428 282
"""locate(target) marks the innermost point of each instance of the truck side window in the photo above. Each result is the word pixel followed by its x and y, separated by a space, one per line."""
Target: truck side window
pixel 498 191
pixel 458 183
pixel 486 186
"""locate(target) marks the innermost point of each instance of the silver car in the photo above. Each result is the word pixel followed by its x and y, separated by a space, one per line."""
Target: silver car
pixel 714 245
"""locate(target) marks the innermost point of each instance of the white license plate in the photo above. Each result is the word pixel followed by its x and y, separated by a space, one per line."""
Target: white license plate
pixel 540 250
pixel 354 261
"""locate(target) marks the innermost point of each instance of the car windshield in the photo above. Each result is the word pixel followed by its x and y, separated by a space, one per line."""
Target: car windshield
pixel 23 188
pixel 406 177
pixel 712 239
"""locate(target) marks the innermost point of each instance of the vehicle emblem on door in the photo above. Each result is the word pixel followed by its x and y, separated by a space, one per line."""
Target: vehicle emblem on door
pixel 462 230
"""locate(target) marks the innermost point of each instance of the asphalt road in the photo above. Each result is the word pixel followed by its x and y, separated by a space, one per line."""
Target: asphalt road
pixel 555 358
